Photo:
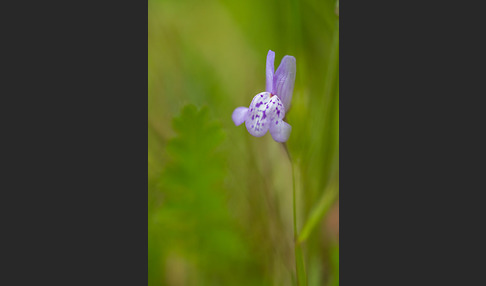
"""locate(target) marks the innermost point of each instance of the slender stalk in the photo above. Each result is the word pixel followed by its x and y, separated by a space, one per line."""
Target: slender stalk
pixel 293 196
pixel 299 257
pixel 293 191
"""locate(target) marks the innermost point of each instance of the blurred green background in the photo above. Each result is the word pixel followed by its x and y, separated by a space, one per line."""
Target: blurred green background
pixel 220 200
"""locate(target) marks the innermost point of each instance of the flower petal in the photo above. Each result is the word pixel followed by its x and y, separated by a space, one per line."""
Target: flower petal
pixel 280 130
pixel 264 109
pixel 239 115
pixel 284 79
pixel 270 69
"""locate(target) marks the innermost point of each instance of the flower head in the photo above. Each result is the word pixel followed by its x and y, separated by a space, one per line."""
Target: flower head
pixel 267 109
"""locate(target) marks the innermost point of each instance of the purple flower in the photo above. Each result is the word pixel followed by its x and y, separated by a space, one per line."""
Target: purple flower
pixel 267 109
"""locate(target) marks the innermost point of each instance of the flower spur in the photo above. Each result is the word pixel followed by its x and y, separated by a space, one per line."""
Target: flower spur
pixel 267 109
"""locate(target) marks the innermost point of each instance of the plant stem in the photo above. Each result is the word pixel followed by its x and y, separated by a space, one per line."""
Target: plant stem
pixel 293 191
pixel 299 257
pixel 294 206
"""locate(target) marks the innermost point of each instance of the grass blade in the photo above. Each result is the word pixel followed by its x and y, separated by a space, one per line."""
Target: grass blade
pixel 328 197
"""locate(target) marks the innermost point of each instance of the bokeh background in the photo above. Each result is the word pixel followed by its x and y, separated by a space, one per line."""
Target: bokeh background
pixel 220 200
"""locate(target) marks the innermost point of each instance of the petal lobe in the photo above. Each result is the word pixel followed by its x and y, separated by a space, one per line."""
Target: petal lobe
pixel 265 109
pixel 239 115
pixel 270 71
pixel 280 131
pixel 284 79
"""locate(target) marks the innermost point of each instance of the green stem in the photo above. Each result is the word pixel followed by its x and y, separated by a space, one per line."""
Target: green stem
pixel 295 208
pixel 299 257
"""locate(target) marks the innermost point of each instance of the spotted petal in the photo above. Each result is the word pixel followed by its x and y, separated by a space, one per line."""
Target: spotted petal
pixel 284 79
pixel 269 71
pixel 265 108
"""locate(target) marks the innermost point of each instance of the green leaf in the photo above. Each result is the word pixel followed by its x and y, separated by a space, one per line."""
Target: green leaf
pixel 191 224
pixel 326 200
